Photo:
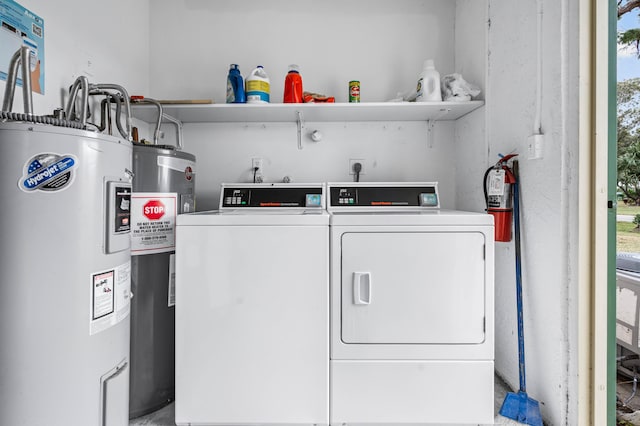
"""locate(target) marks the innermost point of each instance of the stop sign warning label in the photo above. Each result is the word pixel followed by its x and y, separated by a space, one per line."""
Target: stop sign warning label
pixel 153 222
pixel 153 209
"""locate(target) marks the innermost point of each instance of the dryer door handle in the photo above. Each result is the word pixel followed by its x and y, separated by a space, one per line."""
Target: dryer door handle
pixel 362 288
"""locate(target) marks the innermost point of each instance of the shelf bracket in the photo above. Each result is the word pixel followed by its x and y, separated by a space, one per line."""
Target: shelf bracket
pixel 300 123
pixel 431 122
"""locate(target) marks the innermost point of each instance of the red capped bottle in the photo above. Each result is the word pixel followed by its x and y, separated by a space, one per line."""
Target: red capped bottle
pixel 293 86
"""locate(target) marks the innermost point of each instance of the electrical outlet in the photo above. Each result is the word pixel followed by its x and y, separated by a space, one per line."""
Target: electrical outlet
pixel 256 162
pixel 256 170
pixel 353 161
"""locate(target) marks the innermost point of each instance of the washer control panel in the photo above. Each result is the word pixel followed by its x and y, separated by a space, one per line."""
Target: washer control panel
pixel 272 196
pixel 380 196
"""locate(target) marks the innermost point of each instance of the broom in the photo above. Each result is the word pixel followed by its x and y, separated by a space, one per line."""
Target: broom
pixel 519 406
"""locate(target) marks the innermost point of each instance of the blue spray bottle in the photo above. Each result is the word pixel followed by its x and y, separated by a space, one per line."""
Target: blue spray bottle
pixel 235 86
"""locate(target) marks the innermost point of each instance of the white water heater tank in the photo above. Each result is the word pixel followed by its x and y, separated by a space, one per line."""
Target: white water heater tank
pixel 65 287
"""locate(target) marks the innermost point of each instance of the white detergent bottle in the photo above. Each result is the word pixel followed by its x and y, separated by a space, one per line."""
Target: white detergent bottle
pixel 257 83
pixel 428 89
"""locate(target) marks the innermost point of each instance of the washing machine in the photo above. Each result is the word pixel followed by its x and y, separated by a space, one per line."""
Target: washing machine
pixel 252 308
pixel 412 323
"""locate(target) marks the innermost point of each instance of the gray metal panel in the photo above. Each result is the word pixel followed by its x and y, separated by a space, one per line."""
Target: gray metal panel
pixel 152 381
pixel 115 396
pixel 52 242
pixel 151 178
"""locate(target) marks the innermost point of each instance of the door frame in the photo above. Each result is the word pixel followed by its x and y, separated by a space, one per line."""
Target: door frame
pixel 596 217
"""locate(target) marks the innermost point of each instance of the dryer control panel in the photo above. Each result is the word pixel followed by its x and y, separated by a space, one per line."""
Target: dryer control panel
pixel 235 196
pixel 383 195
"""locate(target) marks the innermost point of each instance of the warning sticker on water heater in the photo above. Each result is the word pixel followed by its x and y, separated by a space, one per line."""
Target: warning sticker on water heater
pixel 153 222
pixel 103 294
pixel 110 297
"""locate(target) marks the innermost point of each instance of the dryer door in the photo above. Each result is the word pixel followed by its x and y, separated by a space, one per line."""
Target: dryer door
pixel 413 288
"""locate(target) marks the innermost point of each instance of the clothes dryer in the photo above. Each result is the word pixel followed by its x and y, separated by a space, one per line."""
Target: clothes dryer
pixel 411 307
pixel 252 308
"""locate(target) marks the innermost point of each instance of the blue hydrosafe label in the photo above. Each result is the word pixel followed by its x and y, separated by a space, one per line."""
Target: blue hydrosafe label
pixel 48 172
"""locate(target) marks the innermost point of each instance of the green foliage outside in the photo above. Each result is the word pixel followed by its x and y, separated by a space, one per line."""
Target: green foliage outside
pixel 628 129
pixel 628 133
pixel 627 238
pixel 627 233
pixel 631 37
pixel 627 210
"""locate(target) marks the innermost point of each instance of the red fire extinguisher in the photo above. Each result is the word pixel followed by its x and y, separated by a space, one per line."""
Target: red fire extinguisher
pixel 498 188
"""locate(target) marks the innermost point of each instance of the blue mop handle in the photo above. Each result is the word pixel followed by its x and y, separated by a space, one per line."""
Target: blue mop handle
pixel 516 225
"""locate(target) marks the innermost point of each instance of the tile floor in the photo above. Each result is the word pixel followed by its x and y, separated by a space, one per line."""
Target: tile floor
pixel 165 416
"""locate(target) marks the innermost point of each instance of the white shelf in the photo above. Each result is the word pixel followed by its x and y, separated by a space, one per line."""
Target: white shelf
pixel 337 112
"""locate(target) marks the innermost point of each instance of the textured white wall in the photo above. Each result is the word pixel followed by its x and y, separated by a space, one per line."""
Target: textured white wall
pixel 113 36
pixel 393 151
pixel 471 149
pixel 549 209
pixel 570 94
pixel 381 43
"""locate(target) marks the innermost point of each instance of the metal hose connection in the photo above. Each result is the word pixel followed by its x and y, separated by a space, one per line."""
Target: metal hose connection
pixel 106 119
pixel 178 125
pixel 101 88
pixel 161 116
pixel 120 97
pixel 40 119
pixel 158 105
pixel 19 59
pixel 81 82
pixel 22 59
